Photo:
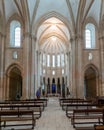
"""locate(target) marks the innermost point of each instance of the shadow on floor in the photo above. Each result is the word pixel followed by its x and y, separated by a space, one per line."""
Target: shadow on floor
pixel 84 128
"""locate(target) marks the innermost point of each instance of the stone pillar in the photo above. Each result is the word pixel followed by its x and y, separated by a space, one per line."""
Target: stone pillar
pixel 32 65
pixel 101 82
pixel 2 64
pixel 35 66
pixel 36 72
pixel 70 73
pixel 97 86
pixel 7 87
pixel 38 62
pixel 67 69
pixel 61 84
pixel 77 86
pixel 65 86
pixel 79 83
pixel 26 66
pixel 73 52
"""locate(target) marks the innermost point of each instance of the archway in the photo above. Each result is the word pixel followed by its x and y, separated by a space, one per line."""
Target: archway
pixel 15 84
pixel 58 86
pixel 53 86
pixel 53 46
pixel 90 81
pixel 48 85
pixel 63 87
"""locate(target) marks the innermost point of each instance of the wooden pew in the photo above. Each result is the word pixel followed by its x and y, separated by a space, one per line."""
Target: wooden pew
pixel 71 107
pixel 24 102
pixel 98 127
pixel 14 116
pixel 74 103
pixel 71 100
pixel 36 102
pixel 35 108
pixel 87 116
pixel 44 100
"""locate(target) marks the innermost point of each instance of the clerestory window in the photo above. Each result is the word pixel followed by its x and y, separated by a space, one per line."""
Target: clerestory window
pixel 90 36
pixel 15 34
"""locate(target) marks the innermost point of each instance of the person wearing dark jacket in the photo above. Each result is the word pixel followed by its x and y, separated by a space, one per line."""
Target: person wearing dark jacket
pixel 38 93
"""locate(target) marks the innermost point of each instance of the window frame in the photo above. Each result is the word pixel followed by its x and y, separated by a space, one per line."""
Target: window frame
pixel 14 24
pixel 91 28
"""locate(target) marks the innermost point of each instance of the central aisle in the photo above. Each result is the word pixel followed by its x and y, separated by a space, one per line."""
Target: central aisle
pixel 53 118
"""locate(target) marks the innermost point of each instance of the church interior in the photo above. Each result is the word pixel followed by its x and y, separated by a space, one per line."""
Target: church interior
pixel 51 59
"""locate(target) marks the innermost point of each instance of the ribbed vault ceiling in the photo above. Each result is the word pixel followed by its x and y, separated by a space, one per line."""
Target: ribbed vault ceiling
pixel 50 33
pixel 53 36
pixel 32 10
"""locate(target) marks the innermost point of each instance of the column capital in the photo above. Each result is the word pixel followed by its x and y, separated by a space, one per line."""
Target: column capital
pixel 27 34
pixel 33 37
pixel 30 36
pixel 101 38
pixel 76 37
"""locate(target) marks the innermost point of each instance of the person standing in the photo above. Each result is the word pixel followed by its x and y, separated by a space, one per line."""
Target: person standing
pixel 38 93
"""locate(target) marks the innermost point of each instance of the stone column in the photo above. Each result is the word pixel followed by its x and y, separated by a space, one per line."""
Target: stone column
pixel 2 65
pixel 65 86
pixel 101 90
pixel 61 84
pixel 70 73
pixel 35 66
pixel 7 87
pixel 26 66
pixel 97 86
pixel 32 65
pixel 77 86
pixel 73 52
pixel 79 83
pixel 67 69
pixel 38 74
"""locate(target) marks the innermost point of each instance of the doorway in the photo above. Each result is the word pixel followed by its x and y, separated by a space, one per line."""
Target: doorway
pixel 90 83
pixel 15 84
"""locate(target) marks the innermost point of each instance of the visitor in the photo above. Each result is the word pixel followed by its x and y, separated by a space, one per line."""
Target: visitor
pixel 18 96
pixel 38 93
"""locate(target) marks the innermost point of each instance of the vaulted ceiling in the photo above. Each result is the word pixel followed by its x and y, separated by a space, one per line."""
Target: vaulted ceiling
pixel 53 36
pixel 75 11
pixel 71 9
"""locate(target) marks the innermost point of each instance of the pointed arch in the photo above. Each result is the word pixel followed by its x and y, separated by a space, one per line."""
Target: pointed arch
pixel 91 74
pixel 49 15
pixel 13 65
pixel 13 89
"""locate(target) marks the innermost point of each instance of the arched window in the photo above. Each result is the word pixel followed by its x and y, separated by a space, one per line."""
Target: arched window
pixel 44 59
pixel 15 34
pixel 53 60
pixel 48 60
pixel 58 60
pixel 62 71
pixel 53 72
pixel 90 36
pixel 62 60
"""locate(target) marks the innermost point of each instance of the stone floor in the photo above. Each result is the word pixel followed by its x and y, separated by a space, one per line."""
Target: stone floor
pixel 53 118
